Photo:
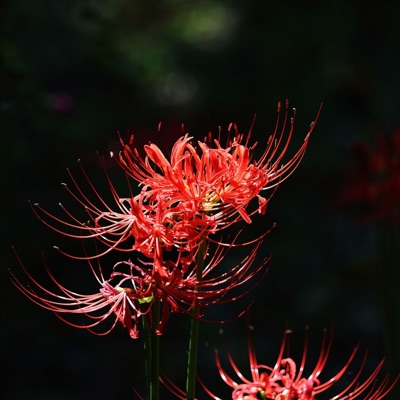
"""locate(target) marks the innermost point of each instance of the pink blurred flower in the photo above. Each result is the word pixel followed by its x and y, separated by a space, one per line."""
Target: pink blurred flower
pixel 61 102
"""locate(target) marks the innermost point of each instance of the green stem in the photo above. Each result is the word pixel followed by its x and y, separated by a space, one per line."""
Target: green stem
pixel 152 351
pixel 147 350
pixel 155 365
pixel 194 331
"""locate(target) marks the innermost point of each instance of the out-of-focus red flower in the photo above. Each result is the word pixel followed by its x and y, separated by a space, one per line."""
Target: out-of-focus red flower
pixel 286 380
pixel 183 198
pixel 129 292
pixel 373 184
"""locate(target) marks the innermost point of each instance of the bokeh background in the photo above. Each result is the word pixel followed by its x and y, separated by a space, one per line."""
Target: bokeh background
pixel 74 73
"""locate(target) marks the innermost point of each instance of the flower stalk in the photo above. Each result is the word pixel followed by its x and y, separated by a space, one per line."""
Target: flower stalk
pixel 194 330
pixel 155 353
pixel 152 350
pixel 147 351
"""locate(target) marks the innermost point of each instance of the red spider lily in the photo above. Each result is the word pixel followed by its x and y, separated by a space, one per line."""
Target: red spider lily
pixel 286 381
pixel 182 200
pixel 146 225
pixel 123 298
pixel 130 290
pixel 218 181
pixel 375 181
pixel 182 292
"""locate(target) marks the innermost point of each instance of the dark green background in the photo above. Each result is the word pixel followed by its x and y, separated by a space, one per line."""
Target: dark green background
pixel 73 73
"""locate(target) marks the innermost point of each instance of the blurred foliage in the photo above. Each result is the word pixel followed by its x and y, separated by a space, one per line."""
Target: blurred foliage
pixel 74 72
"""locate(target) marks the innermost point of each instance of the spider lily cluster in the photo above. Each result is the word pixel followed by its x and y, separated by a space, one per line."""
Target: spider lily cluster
pixel 170 242
pixel 184 201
